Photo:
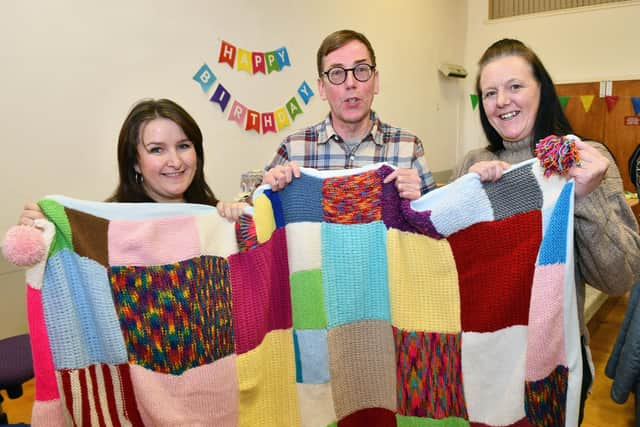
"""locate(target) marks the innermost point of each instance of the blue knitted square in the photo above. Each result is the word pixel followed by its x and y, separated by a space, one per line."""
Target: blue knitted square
pixel 354 272
pixel 553 249
pixel 81 319
pixel 312 356
pixel 302 200
pixel 469 198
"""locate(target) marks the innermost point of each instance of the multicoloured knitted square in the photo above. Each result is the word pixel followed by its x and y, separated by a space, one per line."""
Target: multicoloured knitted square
pixel 429 372
pixel 352 199
pixel 175 317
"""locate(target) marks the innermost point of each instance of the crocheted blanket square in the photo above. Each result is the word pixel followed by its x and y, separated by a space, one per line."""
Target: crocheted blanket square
pixel 335 302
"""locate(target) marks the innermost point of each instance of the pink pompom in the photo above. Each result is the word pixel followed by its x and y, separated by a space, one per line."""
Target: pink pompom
pixel 24 246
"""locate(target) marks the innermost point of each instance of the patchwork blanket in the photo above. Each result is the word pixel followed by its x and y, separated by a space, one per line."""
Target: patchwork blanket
pixel 336 304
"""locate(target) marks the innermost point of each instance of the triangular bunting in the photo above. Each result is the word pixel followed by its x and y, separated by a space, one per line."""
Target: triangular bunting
pixel 586 100
pixel 474 100
pixel 635 100
pixel 563 101
pixel 611 102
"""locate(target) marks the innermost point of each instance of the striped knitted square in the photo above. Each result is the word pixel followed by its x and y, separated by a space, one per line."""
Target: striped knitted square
pixel 176 316
pixel 352 199
pixel 99 395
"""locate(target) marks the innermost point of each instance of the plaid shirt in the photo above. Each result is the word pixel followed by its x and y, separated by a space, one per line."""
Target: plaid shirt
pixel 319 147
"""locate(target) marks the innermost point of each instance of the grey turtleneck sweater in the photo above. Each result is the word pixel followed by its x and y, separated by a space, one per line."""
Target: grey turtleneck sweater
pixel 607 244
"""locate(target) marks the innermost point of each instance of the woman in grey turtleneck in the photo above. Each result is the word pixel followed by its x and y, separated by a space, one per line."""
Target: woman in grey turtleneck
pixel 519 106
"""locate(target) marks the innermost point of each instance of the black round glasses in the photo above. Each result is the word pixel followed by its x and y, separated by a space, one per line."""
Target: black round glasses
pixel 361 72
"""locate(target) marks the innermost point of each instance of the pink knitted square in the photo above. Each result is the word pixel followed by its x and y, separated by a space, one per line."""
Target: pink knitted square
pixel 46 385
pixel 261 291
pixel 545 340
pixel 153 241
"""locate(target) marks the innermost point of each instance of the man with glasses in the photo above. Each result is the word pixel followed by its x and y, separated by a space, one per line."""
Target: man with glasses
pixel 351 135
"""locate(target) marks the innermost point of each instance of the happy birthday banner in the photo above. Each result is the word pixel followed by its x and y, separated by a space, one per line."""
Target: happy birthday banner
pixel 585 100
pixel 248 118
pixel 253 62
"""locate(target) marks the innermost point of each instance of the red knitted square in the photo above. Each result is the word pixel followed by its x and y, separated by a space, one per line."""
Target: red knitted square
pixel 429 374
pixel 261 291
pixel 370 417
pixel 353 199
pixel 495 262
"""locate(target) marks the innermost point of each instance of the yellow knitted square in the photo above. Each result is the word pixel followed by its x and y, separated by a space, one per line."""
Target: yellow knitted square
pixel 423 283
pixel 267 382
pixel 263 217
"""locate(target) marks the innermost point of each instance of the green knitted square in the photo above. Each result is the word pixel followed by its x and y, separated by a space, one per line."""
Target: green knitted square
pixel 307 300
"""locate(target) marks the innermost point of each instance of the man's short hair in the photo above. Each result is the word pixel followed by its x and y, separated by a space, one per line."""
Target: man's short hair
pixel 338 39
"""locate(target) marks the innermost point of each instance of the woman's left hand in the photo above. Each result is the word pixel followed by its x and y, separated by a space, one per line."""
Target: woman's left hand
pixel 591 170
pixel 231 210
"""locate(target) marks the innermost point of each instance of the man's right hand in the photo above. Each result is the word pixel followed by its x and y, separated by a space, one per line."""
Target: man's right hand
pixel 279 176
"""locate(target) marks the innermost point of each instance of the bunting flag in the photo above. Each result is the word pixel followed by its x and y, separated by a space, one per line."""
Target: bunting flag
pixel 205 77
pixel 268 123
pixel 221 97
pixel 563 101
pixel 474 100
pixel 611 102
pixel 586 100
pixel 282 119
pixel 253 62
pixel 305 92
pixel 635 100
pixel 244 62
pixel 238 113
pixel 294 108
pixel 253 121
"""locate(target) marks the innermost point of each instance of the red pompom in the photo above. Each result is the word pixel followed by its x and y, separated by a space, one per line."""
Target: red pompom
pixel 24 246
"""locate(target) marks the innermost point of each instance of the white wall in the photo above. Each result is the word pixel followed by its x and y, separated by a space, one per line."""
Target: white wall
pixel 71 69
pixel 578 45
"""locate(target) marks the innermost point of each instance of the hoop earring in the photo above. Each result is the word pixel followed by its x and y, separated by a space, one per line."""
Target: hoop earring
pixel 139 178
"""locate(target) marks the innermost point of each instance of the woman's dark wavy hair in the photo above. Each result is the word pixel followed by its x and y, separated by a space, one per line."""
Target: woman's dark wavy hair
pixel 129 189
pixel 550 119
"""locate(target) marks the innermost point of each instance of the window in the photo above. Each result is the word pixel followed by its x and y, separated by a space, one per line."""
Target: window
pixel 508 8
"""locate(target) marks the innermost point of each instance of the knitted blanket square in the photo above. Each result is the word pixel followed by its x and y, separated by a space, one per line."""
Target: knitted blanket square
pixel 335 304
